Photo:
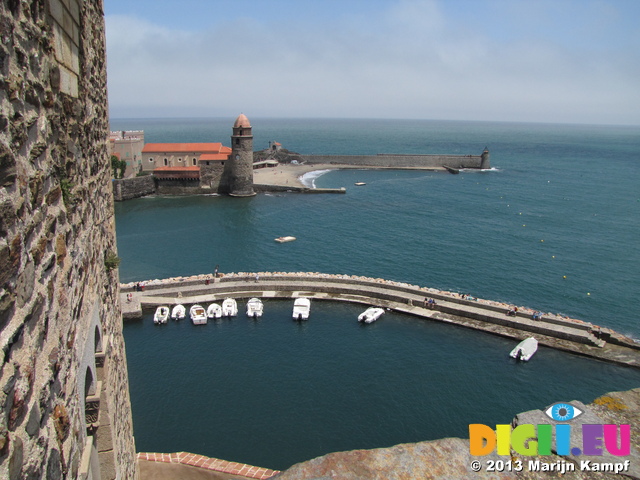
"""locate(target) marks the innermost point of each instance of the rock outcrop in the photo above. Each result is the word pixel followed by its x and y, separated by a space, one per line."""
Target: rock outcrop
pixel 449 458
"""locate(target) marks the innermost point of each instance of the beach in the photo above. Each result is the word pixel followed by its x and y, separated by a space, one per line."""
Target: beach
pixel 290 175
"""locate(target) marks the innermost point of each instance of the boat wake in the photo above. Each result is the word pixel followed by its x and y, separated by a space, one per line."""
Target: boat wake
pixel 493 169
pixel 309 178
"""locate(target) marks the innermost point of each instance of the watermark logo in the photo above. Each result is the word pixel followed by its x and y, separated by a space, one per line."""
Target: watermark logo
pixel 563 412
pixel 530 440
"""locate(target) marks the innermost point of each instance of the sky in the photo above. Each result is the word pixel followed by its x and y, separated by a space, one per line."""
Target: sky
pixel 555 61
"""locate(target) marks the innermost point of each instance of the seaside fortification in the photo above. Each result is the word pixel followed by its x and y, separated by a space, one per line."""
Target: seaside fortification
pixel 237 178
pixel 390 160
pixel 64 398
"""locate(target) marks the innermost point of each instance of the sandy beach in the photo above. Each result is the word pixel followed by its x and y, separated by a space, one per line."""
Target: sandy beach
pixel 289 175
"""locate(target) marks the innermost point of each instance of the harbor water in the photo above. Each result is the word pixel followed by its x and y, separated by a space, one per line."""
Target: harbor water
pixel 553 226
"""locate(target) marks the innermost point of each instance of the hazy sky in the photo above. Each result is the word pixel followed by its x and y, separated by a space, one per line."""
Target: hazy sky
pixel 574 61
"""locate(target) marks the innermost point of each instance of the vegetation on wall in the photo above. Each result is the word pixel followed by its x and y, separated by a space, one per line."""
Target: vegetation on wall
pixel 118 166
pixel 111 261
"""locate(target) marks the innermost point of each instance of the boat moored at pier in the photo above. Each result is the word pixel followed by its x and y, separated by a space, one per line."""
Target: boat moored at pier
pixel 229 307
pixel 301 308
pixel 198 315
pixel 371 314
pixel 254 308
pixel 178 312
pixel 525 349
pixel 214 311
pixel 161 315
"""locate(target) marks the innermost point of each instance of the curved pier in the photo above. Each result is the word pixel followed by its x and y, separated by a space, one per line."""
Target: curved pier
pixel 551 330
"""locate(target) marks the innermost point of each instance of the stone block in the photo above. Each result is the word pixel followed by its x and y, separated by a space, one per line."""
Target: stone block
pixel 66 51
pixel 104 438
pixel 57 10
pixel 68 82
pixel 15 462
pixel 25 284
pixel 33 424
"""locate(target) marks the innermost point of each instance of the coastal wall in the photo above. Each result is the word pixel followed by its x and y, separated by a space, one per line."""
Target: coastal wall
pixel 553 330
pixel 134 187
pixel 180 187
pixel 64 398
pixel 211 175
pixel 404 161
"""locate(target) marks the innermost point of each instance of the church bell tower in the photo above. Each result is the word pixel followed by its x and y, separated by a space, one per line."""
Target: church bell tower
pixel 240 164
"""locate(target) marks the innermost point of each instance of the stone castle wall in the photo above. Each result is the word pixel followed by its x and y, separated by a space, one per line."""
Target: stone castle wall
pixel 134 187
pixel 211 175
pixel 64 400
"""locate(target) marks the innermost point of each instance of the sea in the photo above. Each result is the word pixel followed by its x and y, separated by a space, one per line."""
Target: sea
pixel 553 225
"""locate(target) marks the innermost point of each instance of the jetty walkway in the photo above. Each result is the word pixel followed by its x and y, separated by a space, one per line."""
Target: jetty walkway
pixel 552 330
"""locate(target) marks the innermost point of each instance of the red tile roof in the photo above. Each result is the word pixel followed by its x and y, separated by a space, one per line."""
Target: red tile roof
pixel 214 156
pixel 184 148
pixel 177 169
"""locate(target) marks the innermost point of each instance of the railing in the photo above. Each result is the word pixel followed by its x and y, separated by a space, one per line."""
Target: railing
pixel 92 410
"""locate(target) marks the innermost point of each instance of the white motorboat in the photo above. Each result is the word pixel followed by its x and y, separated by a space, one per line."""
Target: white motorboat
pixel 214 311
pixel 359 184
pixel 178 312
pixel 161 315
pixel 229 307
pixel 371 314
pixel 198 315
pixel 288 238
pixel 301 308
pixel 254 307
pixel 525 349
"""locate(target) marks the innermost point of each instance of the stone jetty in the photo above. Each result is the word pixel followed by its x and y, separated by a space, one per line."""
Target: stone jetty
pixel 551 330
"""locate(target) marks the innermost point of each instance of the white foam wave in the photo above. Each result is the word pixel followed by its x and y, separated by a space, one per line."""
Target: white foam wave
pixel 492 169
pixel 309 178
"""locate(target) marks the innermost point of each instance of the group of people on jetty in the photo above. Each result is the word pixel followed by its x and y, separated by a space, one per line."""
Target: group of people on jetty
pixel 429 303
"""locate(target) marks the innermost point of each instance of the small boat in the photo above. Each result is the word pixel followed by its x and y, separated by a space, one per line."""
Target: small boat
pixel 161 315
pixel 301 308
pixel 285 239
pixel 214 311
pixel 198 315
pixel 525 349
pixel 371 314
pixel 359 184
pixel 178 312
pixel 229 307
pixel 254 307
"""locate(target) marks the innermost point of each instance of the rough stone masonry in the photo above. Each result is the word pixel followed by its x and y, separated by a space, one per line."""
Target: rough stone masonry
pixel 64 400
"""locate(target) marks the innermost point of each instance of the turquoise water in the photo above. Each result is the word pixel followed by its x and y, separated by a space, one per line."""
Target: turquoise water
pixel 553 226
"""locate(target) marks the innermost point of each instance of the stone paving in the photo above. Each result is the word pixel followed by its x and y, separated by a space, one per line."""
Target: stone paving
pixel 209 463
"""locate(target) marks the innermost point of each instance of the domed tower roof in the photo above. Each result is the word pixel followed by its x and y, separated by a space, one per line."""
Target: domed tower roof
pixel 242 121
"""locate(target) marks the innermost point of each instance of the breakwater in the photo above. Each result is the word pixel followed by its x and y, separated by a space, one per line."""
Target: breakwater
pixel 553 330
pixel 405 161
